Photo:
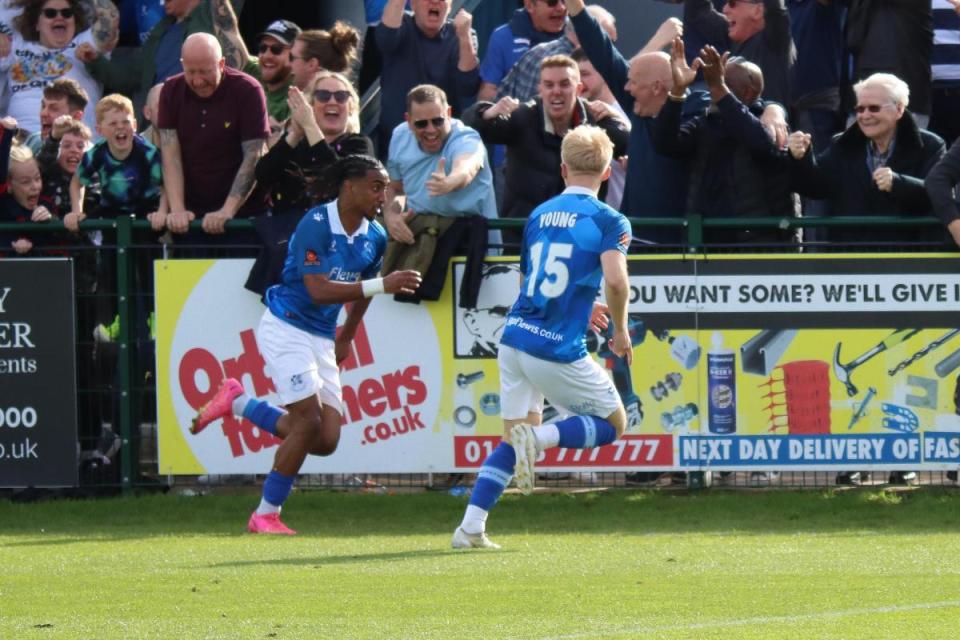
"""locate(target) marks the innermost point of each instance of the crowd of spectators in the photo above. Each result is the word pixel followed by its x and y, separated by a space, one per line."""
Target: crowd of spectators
pixel 742 108
pixel 699 116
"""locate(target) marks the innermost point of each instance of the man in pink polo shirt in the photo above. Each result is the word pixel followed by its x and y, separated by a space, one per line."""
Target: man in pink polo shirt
pixel 213 130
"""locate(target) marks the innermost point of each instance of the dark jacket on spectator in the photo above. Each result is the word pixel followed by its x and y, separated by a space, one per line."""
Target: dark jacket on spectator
pixel 10 209
pixel 893 36
pixel 411 58
pixel 656 184
pixel 737 170
pixel 291 170
pixel 840 175
pixel 533 152
pixel 134 72
pixel 56 183
pixel 771 49
pixel 940 183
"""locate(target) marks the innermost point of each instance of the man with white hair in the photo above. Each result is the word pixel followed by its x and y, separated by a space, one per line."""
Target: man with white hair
pixel 216 117
pixel 875 167
pixel 569 243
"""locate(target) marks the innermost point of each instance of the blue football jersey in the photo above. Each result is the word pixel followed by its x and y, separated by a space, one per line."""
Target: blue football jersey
pixel 562 244
pixel 321 246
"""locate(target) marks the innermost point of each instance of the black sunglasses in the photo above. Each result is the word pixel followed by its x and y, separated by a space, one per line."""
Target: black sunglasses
pixel 872 108
pixel 322 95
pixel 275 49
pixel 50 14
pixel 436 122
pixel 733 3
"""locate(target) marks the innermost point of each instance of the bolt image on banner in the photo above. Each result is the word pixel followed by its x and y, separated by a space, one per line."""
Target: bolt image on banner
pixel 38 388
pixel 824 362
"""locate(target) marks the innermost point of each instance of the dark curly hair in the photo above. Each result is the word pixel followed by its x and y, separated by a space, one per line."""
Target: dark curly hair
pixel 26 23
pixel 326 187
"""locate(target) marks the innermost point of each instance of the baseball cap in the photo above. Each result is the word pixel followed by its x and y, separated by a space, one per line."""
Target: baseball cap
pixel 282 30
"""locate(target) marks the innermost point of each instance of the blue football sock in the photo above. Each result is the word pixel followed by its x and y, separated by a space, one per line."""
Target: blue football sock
pixel 585 432
pixel 494 476
pixel 276 488
pixel 263 414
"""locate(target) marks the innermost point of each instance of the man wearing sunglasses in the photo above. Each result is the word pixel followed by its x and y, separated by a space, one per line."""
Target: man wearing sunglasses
pixel 438 173
pixel 425 48
pixel 757 30
pixel 876 167
pixel 272 66
pixel 523 81
pixel 538 21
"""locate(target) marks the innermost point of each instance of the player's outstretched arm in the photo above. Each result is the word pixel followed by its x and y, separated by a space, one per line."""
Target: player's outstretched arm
pixel 617 290
pixel 322 290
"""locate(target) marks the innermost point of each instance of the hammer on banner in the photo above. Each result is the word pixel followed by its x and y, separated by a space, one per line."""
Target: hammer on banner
pixel 843 371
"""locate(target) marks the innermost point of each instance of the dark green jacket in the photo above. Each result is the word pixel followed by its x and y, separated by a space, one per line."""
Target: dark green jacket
pixel 132 72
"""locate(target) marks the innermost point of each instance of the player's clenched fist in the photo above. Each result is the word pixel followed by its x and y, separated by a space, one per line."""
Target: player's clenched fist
pixel 402 282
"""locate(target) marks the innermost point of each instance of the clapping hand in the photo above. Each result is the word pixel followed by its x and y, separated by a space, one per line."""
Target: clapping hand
pixel 683 74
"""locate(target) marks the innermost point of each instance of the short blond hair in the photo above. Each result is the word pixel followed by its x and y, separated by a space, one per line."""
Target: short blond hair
pixel 112 102
pixel 586 150
pixel 561 61
pixel 20 153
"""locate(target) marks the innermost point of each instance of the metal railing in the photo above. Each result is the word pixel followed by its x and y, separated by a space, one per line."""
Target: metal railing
pixel 126 251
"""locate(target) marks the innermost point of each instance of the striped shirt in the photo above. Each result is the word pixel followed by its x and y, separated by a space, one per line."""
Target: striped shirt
pixel 945 63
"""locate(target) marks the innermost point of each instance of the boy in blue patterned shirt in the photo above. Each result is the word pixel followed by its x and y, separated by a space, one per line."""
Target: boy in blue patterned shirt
pixel 127 167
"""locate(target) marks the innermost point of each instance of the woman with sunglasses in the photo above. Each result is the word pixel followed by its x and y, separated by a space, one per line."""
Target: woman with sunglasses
pixel 324 126
pixel 44 46
pixel 875 167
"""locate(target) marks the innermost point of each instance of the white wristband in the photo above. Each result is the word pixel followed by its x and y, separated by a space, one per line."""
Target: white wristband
pixel 371 287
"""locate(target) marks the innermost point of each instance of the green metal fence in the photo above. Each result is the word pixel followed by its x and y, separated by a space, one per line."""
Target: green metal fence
pixel 129 248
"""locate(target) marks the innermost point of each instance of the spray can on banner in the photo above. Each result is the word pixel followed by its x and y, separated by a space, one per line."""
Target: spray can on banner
pixel 721 387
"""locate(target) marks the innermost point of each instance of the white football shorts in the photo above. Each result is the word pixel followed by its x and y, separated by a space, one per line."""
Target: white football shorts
pixel 301 364
pixel 579 388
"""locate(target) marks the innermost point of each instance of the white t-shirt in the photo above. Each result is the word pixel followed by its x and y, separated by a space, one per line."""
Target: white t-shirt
pixel 30 66
pixel 6 28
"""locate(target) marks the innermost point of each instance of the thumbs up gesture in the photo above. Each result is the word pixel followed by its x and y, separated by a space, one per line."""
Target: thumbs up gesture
pixel 440 183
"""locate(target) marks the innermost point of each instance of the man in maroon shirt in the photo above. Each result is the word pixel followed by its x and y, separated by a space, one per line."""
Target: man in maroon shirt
pixel 213 129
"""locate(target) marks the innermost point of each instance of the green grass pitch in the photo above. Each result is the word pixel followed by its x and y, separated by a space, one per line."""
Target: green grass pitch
pixel 611 565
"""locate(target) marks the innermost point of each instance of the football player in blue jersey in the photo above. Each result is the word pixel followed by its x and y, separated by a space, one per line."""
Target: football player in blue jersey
pixel 569 243
pixel 333 258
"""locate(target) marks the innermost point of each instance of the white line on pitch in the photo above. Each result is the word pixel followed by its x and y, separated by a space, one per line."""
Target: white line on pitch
pixel 719 624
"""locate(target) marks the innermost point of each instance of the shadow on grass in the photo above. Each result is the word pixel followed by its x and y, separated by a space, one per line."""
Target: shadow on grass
pixel 352 558
pixel 319 514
